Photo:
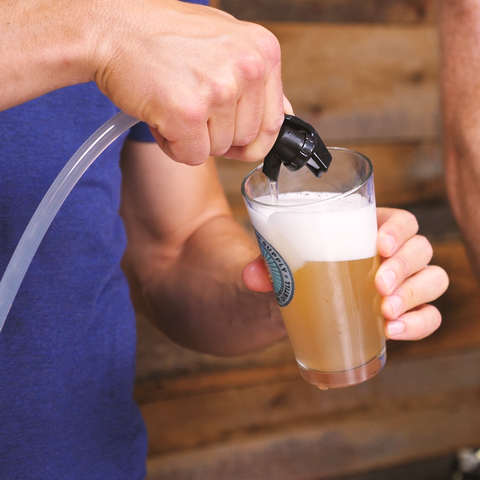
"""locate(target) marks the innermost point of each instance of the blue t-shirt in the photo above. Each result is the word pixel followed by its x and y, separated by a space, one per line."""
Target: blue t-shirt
pixel 68 345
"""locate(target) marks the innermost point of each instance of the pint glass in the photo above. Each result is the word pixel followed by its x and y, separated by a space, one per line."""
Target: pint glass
pixel 318 237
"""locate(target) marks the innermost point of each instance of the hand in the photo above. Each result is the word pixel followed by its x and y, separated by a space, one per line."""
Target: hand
pixel 206 83
pixel 403 279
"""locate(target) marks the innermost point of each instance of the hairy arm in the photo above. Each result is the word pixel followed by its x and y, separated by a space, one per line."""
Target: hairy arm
pixel 206 83
pixel 186 254
pixel 44 45
pixel 460 77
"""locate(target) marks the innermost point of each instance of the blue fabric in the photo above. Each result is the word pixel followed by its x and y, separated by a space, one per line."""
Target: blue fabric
pixel 140 133
pixel 68 346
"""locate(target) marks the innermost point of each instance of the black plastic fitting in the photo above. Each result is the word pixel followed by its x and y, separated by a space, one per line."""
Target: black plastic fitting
pixel 298 144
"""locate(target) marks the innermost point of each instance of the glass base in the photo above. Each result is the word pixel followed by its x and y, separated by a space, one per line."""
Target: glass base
pixel 326 380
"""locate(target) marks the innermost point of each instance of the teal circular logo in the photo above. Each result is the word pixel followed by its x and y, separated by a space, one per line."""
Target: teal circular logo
pixel 280 273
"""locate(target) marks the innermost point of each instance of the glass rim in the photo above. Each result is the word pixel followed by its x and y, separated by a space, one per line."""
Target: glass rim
pixel 361 184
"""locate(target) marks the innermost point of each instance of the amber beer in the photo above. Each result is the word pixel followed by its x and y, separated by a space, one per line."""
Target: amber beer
pixel 320 246
pixel 334 320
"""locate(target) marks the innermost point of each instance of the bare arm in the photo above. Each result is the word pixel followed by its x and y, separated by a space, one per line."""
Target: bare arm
pixel 460 41
pixel 44 45
pixel 186 254
pixel 185 257
pixel 205 82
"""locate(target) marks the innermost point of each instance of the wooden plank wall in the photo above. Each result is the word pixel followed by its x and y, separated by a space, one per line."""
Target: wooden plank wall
pixel 364 73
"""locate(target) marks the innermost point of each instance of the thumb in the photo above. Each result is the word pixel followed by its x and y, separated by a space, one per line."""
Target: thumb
pixel 256 277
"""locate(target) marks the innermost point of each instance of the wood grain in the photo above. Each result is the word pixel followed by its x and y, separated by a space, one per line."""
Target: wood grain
pixel 407 173
pixel 333 11
pixel 249 412
pixel 332 452
pixel 359 83
pixel 411 410
pixel 438 468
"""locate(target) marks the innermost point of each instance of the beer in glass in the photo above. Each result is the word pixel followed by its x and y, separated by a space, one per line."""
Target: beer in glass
pixel 318 237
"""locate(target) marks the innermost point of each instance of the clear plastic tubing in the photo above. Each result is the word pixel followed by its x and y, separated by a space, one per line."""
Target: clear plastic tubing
pixel 51 203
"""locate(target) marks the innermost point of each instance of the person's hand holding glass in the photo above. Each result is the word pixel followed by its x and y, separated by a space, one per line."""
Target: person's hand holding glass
pixel 330 266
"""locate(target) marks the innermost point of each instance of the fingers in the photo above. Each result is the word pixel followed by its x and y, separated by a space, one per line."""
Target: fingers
pixel 245 112
pixel 410 258
pixel 287 106
pixel 404 278
pixel 414 325
pixel 191 149
pixel 250 106
pixel 256 277
pixel 404 310
pixel 423 287
pixel 222 122
pixel 395 227
pixel 270 120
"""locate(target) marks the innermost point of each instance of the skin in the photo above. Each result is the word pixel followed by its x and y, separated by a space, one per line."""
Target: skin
pixel 186 260
pixel 459 28
pixel 206 83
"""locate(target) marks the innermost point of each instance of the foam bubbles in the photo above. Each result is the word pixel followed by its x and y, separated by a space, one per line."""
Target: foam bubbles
pixel 303 230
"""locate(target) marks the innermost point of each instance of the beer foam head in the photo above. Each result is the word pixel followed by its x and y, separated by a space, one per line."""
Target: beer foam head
pixel 337 230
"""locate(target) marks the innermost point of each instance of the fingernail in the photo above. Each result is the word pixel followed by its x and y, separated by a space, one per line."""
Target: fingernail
pixel 396 303
pixel 390 241
pixel 389 279
pixel 395 328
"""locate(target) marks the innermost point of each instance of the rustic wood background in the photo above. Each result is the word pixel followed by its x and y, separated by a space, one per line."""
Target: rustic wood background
pixel 365 74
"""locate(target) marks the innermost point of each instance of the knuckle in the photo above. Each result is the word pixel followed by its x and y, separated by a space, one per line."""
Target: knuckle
pixel 219 150
pixel 409 295
pixel 426 246
pixel 422 321
pixel 271 45
pixel 267 43
pixel 436 318
pixel 443 280
pixel 247 138
pixel 224 91
pixel 432 319
pixel 193 157
pixel 400 221
pixel 191 114
pixel 402 266
pixel 271 126
pixel 188 154
pixel 249 153
pixel 252 66
pixel 413 220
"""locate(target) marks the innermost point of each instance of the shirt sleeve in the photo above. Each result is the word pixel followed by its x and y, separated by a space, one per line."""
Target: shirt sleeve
pixel 141 133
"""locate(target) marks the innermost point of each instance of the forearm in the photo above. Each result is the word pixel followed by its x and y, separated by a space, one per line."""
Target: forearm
pixel 44 45
pixel 206 83
pixel 199 300
pixel 185 256
pixel 460 81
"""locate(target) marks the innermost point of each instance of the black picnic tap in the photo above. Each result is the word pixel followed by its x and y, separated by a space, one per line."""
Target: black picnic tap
pixel 298 144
